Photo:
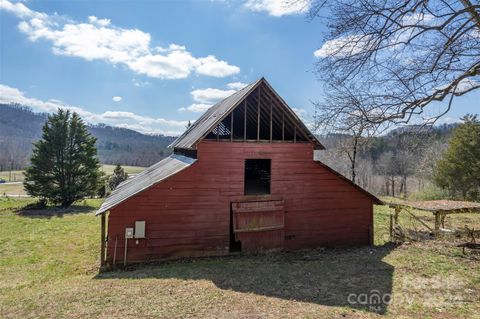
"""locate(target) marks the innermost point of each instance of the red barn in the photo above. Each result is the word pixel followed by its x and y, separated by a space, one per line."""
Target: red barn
pixel 241 178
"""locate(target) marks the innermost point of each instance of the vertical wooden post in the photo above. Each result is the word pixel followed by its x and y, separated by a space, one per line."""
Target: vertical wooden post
pixel 437 223
pixel 115 251
pixel 294 134
pixel 370 235
pixel 102 240
pixel 258 116
pixel 245 122
pixel 271 121
pixel 125 252
pixel 391 227
pixel 371 227
pixel 231 126
pixel 283 125
pixel 395 216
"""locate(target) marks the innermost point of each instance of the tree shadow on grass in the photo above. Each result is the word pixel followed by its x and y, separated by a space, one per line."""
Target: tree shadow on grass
pixel 36 211
pixel 348 277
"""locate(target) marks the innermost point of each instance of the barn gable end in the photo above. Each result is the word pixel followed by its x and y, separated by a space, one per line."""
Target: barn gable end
pixel 255 113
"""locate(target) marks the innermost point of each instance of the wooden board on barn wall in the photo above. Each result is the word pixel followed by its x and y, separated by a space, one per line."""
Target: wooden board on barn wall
pixel 259 225
pixel 189 213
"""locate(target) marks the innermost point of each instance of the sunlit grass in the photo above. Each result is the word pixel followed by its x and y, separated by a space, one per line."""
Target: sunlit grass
pixel 18 176
pixel 49 269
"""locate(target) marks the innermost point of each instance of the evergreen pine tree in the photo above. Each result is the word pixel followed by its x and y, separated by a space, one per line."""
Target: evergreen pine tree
pixel 64 164
pixel 118 176
pixel 459 169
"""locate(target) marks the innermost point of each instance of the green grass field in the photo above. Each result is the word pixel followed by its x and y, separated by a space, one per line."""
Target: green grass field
pixel 12 176
pixel 17 176
pixel 49 269
pixel 12 189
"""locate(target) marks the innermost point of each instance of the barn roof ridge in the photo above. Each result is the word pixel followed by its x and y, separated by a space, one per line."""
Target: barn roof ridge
pixel 216 113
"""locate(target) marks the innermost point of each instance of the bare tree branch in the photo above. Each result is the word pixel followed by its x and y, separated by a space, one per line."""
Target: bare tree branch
pixel 396 58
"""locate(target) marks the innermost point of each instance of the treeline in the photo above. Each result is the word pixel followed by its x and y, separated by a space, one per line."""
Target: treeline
pixel 20 127
pixel 399 163
pixel 127 147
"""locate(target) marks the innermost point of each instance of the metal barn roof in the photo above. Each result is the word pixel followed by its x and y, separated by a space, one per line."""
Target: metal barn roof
pixel 149 177
pixel 211 117
pixel 215 114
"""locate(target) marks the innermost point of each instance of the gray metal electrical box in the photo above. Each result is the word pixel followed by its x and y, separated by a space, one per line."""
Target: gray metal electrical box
pixel 129 232
pixel 140 229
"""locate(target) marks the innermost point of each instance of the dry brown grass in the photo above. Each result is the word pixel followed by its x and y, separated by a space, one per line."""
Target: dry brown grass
pixel 49 269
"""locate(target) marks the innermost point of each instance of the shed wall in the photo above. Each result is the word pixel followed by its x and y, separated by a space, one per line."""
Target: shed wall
pixel 189 213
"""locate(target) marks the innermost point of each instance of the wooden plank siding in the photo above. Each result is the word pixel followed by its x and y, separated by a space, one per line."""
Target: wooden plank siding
pixel 259 225
pixel 188 214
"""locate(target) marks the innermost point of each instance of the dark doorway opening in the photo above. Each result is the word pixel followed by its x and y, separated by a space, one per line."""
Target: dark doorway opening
pixel 235 246
pixel 257 176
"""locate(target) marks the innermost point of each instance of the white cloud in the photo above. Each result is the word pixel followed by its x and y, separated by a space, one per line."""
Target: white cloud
pixel 139 83
pixel 210 95
pixel 303 115
pixel 205 98
pixel 97 21
pixel 20 10
pixel 116 98
pixel 122 116
pixel 213 67
pixel 236 85
pixel 176 64
pixel 463 86
pixel 140 128
pixel 143 124
pixel 416 18
pixel 13 95
pixel 278 8
pixel 98 39
pixel 300 112
pixel 467 85
pixel 342 47
pixel 447 120
pixel 196 108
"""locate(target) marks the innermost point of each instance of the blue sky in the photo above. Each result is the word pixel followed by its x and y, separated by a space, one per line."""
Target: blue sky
pixel 154 65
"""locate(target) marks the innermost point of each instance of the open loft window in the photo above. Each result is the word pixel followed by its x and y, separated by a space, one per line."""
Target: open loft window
pixel 260 117
pixel 257 176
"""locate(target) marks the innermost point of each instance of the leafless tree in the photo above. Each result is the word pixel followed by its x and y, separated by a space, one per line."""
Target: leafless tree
pixel 405 166
pixel 365 172
pixel 386 166
pixel 397 57
pixel 428 161
pixel 353 132
pixel 349 145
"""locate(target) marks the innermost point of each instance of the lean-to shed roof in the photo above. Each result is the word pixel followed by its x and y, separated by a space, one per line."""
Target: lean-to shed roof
pixel 149 177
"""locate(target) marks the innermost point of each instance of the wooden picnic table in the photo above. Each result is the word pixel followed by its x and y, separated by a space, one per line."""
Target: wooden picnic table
pixel 439 208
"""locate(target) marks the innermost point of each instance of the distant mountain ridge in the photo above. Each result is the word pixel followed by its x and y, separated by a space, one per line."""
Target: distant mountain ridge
pixel 418 128
pixel 20 127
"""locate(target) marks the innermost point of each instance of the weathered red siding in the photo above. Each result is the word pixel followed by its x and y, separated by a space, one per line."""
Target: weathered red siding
pixel 189 213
